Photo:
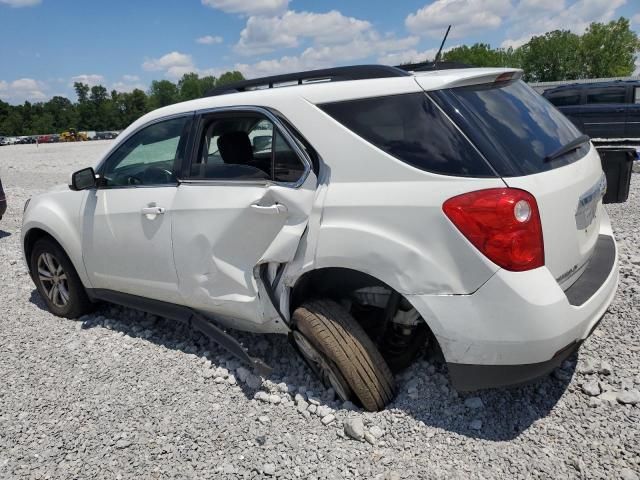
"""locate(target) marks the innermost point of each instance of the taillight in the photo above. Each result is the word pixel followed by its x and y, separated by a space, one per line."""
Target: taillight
pixel 503 223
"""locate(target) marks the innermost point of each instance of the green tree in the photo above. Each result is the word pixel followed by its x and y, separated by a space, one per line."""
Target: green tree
pixel 609 49
pixel 229 77
pixel 82 91
pixel 552 56
pixel 482 55
pixel 163 93
pixel 43 124
pixel 190 87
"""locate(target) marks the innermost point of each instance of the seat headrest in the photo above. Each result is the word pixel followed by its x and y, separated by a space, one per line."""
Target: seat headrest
pixel 235 148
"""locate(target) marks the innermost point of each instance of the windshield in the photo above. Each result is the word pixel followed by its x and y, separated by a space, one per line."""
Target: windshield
pixel 512 125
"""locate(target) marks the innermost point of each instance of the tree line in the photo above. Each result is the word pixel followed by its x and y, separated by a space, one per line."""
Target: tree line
pixel 100 110
pixel 604 50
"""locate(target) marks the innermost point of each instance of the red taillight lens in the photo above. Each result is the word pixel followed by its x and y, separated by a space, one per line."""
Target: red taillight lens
pixel 503 223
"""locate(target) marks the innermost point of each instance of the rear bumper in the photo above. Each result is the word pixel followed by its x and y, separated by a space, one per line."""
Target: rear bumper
pixel 520 326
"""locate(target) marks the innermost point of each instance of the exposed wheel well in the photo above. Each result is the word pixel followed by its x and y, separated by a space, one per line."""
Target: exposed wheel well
pixel 30 240
pixel 387 323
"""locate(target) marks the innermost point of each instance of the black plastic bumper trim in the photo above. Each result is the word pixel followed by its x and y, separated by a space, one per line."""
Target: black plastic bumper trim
pixel 466 377
pixel 599 267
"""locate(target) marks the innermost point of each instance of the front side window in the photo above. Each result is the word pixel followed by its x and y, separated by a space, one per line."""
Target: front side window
pixel 147 157
pixel 411 128
pixel 636 95
pixel 244 146
pixel 606 95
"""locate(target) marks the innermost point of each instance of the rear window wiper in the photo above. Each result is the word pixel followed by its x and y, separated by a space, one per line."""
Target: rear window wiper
pixel 569 147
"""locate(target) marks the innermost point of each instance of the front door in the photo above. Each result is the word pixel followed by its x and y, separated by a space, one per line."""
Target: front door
pixel 244 203
pixel 127 219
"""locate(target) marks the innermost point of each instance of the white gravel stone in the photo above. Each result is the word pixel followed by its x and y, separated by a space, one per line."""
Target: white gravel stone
pixel 473 403
pixel 275 399
pixel 630 397
pixel 269 469
pixel 327 419
pixel 591 388
pixel 354 428
pixel 262 396
pixel 377 431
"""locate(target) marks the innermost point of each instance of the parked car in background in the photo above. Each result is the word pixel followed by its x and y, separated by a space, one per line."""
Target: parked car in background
pixel 601 110
pixel 105 135
pixel 361 218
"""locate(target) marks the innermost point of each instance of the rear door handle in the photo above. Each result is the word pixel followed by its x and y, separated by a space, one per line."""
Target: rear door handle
pixel 153 211
pixel 274 209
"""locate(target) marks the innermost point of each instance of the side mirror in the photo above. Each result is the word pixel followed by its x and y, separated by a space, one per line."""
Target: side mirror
pixel 83 179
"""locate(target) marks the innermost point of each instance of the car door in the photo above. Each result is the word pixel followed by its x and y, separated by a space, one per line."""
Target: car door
pixel 126 231
pixel 604 112
pixel 632 128
pixel 242 205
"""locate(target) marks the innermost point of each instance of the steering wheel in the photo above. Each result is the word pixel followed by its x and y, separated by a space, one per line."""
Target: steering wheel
pixel 157 175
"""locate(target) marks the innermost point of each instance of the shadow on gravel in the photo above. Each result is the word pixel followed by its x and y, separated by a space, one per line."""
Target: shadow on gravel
pixel 496 414
pixel 424 391
pixel 37 300
pixel 4 234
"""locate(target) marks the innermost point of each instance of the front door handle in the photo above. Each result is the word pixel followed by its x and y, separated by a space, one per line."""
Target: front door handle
pixel 153 211
pixel 274 209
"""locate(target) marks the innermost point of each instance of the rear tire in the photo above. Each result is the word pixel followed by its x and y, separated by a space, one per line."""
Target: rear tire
pixel 349 354
pixel 57 281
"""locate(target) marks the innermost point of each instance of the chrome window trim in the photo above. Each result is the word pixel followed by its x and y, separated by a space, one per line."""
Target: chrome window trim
pixel 291 141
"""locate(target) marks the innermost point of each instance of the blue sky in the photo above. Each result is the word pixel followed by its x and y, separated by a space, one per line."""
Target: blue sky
pixel 47 44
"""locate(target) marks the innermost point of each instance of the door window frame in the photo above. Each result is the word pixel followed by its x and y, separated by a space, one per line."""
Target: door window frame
pixel 182 151
pixel 197 129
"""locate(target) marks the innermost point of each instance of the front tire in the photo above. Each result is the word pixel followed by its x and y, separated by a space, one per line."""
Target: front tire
pixel 57 281
pixel 344 357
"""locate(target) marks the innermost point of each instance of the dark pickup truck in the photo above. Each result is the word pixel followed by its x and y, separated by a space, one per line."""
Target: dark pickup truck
pixel 601 110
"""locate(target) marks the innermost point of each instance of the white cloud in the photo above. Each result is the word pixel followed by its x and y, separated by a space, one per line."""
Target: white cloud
pixel 536 18
pixel 248 7
pixel 130 78
pixel 209 40
pixel 21 3
pixel 89 79
pixel 265 34
pixel 22 89
pixel 465 16
pixel 174 64
pixel 636 19
pixel 411 56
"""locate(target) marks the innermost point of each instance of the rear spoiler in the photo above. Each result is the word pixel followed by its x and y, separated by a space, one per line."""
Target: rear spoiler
pixel 466 77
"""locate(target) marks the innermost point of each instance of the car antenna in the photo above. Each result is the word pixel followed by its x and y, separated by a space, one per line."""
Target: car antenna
pixel 437 59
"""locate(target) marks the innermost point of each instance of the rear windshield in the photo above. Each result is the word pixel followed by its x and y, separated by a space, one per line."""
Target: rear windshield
pixel 512 125
pixel 411 128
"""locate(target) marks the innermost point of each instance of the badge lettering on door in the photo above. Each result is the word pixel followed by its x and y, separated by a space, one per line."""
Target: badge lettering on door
pixel 588 203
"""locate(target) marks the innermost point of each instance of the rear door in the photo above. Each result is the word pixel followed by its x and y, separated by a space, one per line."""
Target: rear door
pixel 632 127
pixel 604 112
pixel 518 130
pixel 242 205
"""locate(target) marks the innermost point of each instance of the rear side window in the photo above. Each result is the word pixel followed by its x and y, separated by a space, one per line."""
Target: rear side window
pixel 565 98
pixel 636 95
pixel 606 95
pixel 512 125
pixel 411 128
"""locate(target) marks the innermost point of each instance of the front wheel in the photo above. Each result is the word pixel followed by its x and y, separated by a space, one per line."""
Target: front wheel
pixel 57 281
pixel 342 354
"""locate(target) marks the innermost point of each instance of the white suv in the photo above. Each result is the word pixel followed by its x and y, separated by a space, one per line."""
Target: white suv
pixel 364 211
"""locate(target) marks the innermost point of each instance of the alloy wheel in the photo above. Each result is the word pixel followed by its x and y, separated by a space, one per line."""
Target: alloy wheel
pixel 53 279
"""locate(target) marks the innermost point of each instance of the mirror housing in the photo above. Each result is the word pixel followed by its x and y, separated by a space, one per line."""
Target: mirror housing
pixel 83 179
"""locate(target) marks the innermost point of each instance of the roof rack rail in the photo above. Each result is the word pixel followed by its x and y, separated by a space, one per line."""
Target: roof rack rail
pixel 338 74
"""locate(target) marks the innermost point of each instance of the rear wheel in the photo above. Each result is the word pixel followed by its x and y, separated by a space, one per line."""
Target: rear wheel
pixel 57 281
pixel 342 354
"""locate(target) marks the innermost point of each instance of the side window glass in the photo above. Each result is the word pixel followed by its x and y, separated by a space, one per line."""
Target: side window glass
pixel 148 157
pixel 636 95
pixel 565 99
pixel 244 147
pixel 606 95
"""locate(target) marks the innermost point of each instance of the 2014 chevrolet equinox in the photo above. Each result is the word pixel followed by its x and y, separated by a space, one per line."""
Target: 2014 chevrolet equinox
pixel 363 216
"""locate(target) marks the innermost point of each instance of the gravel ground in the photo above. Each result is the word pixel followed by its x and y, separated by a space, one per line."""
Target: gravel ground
pixel 121 394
